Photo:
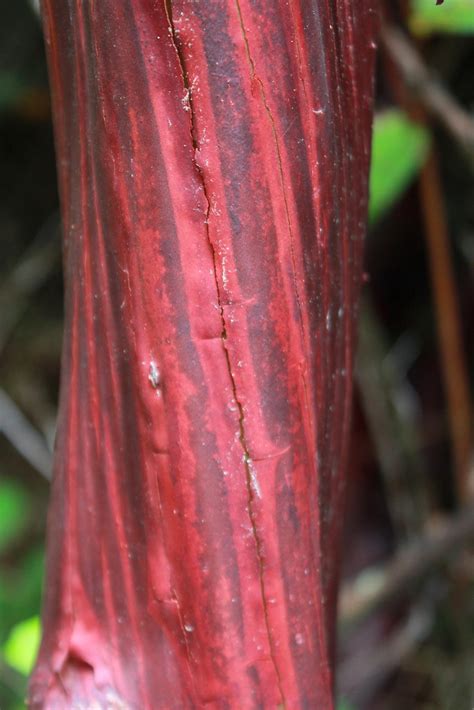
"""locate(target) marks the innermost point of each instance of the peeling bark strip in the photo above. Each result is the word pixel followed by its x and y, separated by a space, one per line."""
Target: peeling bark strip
pixel 212 162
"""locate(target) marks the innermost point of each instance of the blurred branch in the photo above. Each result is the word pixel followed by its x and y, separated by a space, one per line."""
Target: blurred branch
pixel 448 322
pixel 28 275
pixel 35 6
pixel 360 676
pixel 12 679
pixel 428 90
pixel 431 96
pixel 23 436
pixel 377 587
pixel 389 411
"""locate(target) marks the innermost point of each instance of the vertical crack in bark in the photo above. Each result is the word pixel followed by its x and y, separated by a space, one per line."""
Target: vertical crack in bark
pixel 255 78
pixel 251 480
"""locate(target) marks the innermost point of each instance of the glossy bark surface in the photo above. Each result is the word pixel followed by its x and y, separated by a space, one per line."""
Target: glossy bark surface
pixel 213 160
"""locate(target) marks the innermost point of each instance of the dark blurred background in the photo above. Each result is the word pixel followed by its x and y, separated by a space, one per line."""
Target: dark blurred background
pixel 407 597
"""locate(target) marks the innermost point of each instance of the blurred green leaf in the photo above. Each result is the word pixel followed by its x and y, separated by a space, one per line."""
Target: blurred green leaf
pixel 399 148
pixel 20 589
pixel 14 505
pixel 22 644
pixel 11 88
pixel 343 704
pixel 456 16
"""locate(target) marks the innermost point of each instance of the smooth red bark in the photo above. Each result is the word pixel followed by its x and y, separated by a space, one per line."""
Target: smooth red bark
pixel 213 160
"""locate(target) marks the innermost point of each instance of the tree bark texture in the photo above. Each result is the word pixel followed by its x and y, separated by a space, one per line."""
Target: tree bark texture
pixel 213 159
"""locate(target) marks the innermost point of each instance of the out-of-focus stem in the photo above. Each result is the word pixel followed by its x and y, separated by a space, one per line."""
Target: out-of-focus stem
pixel 419 93
pixel 448 323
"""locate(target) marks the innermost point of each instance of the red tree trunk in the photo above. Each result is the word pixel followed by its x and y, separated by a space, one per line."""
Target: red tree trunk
pixel 213 159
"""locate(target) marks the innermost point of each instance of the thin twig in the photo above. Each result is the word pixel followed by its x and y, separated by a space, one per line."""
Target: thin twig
pixel 380 586
pixel 34 268
pixel 391 417
pixel 23 436
pixel 428 90
pixel 432 96
pixel 12 679
pixel 448 321
pixel 360 676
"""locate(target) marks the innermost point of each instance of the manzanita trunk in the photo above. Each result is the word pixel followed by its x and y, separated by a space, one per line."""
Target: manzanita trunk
pixel 213 159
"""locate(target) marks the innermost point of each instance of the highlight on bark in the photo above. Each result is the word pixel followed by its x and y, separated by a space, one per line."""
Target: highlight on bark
pixel 212 161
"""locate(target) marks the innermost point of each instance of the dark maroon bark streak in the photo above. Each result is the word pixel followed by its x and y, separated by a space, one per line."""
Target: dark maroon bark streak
pixel 213 163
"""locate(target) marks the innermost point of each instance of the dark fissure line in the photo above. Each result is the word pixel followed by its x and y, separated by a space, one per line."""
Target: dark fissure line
pixel 251 480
